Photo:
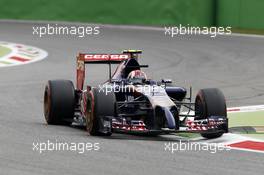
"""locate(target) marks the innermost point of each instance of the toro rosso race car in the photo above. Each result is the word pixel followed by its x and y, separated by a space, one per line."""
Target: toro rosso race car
pixel 129 102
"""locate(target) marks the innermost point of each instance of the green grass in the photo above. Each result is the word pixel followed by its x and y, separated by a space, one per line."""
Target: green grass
pixel 246 119
pixel 4 51
pixel 188 135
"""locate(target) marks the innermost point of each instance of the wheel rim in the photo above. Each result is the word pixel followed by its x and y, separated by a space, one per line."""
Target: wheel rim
pixel 47 103
pixel 89 113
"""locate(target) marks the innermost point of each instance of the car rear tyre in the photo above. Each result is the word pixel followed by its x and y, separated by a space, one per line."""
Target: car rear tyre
pixel 59 102
pixel 210 102
pixel 99 104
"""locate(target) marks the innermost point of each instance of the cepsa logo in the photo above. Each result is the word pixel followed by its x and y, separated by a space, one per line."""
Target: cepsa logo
pixel 112 57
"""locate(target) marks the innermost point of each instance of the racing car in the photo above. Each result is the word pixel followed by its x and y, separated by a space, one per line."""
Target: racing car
pixel 129 102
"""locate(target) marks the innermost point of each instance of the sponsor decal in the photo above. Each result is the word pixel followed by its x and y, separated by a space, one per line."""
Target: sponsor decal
pixel 20 54
pixel 112 57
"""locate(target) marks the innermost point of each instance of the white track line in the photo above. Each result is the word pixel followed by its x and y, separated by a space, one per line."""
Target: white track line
pixel 253 108
pixel 229 138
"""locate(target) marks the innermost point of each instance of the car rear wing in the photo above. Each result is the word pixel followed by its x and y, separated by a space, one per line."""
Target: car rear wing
pixel 103 58
pixel 87 58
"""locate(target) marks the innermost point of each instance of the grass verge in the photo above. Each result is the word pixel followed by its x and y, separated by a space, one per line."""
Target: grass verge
pixel 4 51
pixel 246 119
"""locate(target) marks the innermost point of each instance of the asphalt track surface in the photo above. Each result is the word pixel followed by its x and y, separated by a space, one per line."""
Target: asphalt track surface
pixel 231 63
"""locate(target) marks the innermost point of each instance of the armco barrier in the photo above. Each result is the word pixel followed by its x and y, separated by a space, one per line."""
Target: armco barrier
pixel 244 14
pixel 142 12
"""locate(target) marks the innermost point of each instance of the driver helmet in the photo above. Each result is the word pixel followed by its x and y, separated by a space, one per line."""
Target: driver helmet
pixel 137 75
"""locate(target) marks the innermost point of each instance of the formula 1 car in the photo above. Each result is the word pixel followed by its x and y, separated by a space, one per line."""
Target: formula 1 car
pixel 129 102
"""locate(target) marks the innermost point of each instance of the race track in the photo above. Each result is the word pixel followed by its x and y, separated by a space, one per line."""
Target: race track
pixel 232 63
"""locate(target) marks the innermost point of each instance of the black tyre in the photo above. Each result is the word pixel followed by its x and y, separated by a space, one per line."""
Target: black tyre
pixel 59 102
pixel 99 104
pixel 210 102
